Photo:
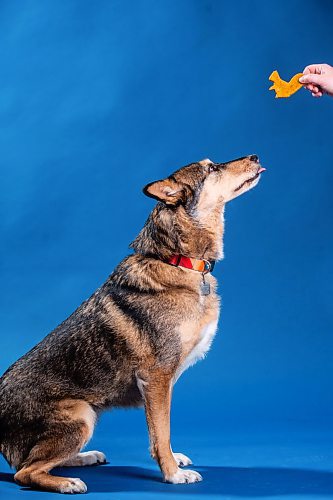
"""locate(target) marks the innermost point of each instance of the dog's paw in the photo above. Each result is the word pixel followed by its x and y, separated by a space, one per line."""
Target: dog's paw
pixel 184 476
pixel 86 458
pixel 182 460
pixel 73 485
pixel 92 458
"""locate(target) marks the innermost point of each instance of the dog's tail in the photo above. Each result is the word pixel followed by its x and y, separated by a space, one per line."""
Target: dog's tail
pixel 11 452
pixel 8 448
pixel 15 442
pixel 3 448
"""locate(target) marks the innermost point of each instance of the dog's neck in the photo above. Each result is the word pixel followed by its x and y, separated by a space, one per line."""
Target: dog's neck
pixel 171 231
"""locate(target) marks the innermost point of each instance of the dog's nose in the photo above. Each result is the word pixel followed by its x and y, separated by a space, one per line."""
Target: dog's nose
pixel 254 158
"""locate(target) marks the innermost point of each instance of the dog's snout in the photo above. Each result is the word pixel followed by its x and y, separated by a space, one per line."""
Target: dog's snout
pixel 254 158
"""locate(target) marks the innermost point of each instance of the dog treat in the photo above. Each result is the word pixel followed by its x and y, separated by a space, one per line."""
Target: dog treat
pixel 282 88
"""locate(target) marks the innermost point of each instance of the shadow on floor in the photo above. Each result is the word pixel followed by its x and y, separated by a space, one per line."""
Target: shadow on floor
pixel 233 481
pixel 7 477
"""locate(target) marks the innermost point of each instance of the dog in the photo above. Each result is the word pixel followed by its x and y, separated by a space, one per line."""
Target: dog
pixel 127 344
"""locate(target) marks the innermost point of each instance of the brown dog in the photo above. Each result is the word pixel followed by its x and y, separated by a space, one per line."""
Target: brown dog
pixel 127 344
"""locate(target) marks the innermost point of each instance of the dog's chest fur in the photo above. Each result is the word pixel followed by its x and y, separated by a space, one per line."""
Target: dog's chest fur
pixel 196 337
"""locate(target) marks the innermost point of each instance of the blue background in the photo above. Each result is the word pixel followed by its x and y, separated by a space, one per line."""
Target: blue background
pixel 99 98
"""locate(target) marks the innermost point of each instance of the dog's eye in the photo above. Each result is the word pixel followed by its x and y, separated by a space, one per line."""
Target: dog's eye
pixel 212 168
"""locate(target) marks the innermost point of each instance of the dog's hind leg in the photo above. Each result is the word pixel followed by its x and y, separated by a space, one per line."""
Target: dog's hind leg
pixel 68 431
pixel 156 390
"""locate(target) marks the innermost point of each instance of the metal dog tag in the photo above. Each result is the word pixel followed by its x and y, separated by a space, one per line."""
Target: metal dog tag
pixel 205 288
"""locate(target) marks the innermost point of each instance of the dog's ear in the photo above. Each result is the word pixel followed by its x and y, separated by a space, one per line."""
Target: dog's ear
pixel 167 190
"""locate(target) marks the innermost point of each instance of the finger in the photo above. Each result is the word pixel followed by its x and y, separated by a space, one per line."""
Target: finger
pixel 315 89
pixel 313 68
pixel 312 78
pixel 315 94
pixel 309 86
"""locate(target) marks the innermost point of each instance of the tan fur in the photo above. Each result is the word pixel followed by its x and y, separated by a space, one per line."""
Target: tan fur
pixel 190 330
pixel 76 410
pixel 157 396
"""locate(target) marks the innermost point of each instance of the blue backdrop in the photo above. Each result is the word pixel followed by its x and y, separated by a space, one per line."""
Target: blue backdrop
pixel 99 98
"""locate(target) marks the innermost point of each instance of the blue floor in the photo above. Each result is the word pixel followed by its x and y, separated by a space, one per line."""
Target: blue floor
pixel 279 463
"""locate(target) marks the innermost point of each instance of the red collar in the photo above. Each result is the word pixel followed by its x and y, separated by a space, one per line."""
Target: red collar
pixel 201 265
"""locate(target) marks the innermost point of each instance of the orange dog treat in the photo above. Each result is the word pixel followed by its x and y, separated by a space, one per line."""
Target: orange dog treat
pixel 282 88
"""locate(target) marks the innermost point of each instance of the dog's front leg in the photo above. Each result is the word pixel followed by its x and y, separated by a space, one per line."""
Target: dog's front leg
pixel 156 390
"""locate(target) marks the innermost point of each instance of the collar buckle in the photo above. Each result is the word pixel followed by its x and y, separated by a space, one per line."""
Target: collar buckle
pixel 207 266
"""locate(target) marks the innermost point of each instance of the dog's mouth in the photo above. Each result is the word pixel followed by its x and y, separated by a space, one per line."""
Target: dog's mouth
pixel 251 179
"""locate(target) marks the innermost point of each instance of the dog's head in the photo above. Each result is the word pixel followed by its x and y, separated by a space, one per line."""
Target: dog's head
pixel 202 185
pixel 189 218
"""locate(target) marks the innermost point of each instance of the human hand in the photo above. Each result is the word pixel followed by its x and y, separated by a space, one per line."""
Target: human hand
pixel 318 78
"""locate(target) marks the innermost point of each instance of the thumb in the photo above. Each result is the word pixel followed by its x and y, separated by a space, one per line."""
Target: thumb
pixel 311 78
